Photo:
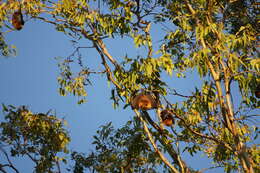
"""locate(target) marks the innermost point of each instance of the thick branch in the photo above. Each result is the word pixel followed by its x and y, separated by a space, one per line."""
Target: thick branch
pixel 227 88
pixel 172 152
pixel 215 74
pixel 240 146
pixel 162 138
pixel 192 11
pixel 106 53
pixel 163 158
pixel 108 71
pixel 156 126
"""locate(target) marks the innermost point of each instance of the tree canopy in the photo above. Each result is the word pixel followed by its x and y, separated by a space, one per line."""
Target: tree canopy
pixel 217 40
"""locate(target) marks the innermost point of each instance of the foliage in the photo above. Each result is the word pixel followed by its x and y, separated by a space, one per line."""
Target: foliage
pixel 123 150
pixel 214 39
pixel 39 136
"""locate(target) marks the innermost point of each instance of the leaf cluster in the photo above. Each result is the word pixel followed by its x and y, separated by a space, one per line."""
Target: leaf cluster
pixel 38 136
pixel 119 150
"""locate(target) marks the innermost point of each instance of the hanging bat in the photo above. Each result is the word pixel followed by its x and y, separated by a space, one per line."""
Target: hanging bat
pixel 145 101
pixel 17 20
pixel 167 118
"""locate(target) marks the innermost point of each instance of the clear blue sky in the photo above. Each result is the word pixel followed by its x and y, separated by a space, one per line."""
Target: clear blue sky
pixel 31 79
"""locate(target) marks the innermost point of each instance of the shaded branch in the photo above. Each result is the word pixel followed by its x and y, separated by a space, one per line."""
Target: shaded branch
pixel 98 45
pixel 169 148
pixel 245 72
pixel 46 20
pixel 58 166
pixel 163 158
pixel 2 168
pixel 8 160
pixel 148 118
pixel 202 135
pixel 78 48
pixel 174 92
pixel 172 152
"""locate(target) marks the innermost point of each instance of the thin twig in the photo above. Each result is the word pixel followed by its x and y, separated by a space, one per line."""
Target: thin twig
pixel 8 160
pixel 202 135
pixel 80 47
pixel 206 169
pixel 2 168
pixel 58 166
pixel 174 92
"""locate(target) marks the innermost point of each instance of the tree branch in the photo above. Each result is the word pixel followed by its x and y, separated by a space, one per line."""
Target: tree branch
pixel 162 138
pixel 174 92
pixel 106 53
pixel 148 118
pixel 202 135
pixel 108 71
pixel 163 158
pixel 58 166
pixel 8 160
pixel 2 168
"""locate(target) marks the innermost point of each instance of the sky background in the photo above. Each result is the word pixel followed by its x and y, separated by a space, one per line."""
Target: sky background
pixel 30 79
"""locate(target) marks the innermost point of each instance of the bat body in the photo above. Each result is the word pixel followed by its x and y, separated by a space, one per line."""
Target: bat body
pixel 17 20
pixel 144 101
pixel 167 117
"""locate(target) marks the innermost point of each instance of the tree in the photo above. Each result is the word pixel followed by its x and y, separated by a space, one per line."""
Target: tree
pixel 213 39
